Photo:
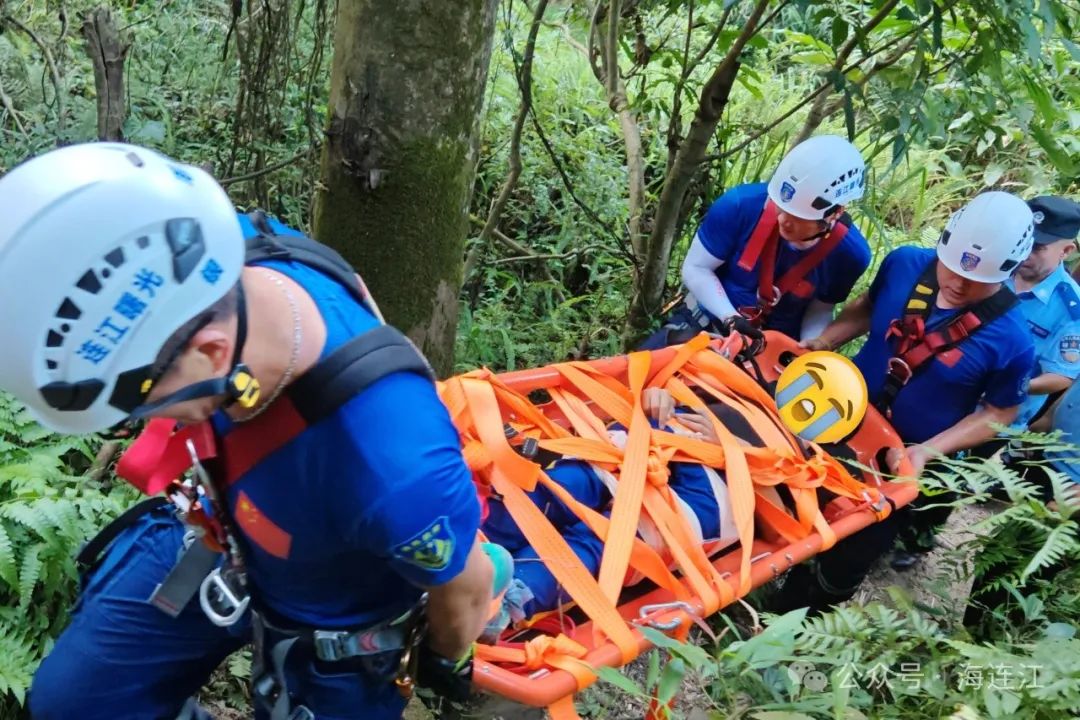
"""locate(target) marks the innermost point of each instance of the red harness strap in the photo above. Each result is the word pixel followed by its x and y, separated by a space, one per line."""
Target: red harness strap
pixel 160 454
pixel 764 245
pixel 915 347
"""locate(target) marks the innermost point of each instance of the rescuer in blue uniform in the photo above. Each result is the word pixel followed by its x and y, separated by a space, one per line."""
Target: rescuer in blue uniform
pixel 952 300
pixel 780 254
pixel 123 288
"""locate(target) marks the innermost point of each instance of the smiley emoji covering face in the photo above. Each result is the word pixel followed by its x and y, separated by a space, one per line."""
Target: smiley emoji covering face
pixel 821 396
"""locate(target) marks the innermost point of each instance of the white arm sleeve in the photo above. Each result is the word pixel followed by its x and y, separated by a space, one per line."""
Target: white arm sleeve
pixel 699 277
pixel 817 317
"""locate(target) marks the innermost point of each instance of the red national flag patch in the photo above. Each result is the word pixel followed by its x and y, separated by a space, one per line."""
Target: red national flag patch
pixel 260 529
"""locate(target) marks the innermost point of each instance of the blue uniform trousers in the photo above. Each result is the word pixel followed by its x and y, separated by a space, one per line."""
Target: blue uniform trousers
pixel 121 657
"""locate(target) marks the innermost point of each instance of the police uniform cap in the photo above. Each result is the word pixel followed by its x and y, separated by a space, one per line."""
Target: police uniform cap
pixel 1056 218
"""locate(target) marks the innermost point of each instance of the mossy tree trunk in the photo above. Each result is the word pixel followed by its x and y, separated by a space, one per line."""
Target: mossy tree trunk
pixel 407 87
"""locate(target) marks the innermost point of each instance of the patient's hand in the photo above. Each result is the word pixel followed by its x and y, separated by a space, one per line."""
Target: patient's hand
pixel 700 426
pixel 658 404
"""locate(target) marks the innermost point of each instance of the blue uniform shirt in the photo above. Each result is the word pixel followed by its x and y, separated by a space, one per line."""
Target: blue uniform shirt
pixel 343 523
pixel 1067 420
pixel 995 366
pixel 1052 309
pixel 727 228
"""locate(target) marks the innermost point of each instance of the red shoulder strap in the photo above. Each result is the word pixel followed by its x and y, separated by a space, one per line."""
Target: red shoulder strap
pixel 160 454
pixel 765 233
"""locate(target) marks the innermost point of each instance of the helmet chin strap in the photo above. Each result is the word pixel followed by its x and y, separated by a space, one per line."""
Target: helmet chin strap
pixel 238 386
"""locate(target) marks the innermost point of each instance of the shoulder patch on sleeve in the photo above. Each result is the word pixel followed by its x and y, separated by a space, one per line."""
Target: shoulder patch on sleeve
pixel 1069 347
pixel 431 548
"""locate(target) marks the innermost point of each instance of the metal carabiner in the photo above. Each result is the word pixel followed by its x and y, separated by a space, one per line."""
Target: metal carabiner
pixel 647 610
pixel 201 476
pixel 233 603
pixel 879 506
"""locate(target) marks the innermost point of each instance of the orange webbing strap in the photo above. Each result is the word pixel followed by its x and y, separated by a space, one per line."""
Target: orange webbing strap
pixel 584 422
pixel 558 652
pixel 541 535
pixel 626 508
pixel 740 485
pixel 642 557
pixel 611 402
pixel 519 406
pixel 695 345
pixel 772 435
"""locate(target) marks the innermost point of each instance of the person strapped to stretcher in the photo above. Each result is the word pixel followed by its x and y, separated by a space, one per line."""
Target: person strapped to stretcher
pixel 604 486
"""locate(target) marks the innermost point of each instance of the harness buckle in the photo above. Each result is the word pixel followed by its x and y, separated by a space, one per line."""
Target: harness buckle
pixel 762 302
pixel 755 314
pixel 330 644
pixel 223 602
pixel 900 370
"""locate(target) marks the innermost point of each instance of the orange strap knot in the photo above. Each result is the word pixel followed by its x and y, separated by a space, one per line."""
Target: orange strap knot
pixel 657 471
pixel 543 648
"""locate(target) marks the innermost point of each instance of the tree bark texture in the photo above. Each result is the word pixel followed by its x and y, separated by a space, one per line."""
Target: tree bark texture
pixel 107 51
pixel 407 87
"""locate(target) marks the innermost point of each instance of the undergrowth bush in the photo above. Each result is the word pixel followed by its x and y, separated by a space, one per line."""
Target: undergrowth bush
pixel 47 510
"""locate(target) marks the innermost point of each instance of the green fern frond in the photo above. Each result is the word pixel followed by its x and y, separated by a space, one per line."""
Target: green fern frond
pixel 30 573
pixel 8 572
pixel 1061 542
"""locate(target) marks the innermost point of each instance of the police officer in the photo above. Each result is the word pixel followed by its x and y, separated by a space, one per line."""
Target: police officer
pixel 125 290
pixel 1050 299
pixel 990 599
pixel 780 254
pixel 943 334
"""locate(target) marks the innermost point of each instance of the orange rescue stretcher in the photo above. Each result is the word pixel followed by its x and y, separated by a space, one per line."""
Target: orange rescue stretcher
pixel 565 408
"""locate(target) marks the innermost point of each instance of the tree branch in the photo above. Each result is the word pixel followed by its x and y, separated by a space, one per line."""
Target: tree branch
pixel 104 457
pixel 524 253
pixel 269 168
pixel 50 62
pixel 9 106
pixel 107 50
pixel 714 98
pixel 611 49
pixel 823 87
pixel 524 79
pixel 817 110
pixel 535 256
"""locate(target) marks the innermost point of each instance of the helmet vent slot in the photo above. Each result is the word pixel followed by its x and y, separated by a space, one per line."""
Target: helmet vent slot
pixel 89 282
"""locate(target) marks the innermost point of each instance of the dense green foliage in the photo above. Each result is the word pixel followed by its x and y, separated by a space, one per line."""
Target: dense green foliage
pixel 911 659
pixel 47 509
pixel 986 96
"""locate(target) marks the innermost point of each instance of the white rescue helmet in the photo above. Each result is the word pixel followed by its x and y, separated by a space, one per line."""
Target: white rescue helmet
pixel 817 175
pixel 986 239
pixel 106 249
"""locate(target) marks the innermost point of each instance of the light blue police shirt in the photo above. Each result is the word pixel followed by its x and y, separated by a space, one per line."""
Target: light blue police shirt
pixel 1067 420
pixel 1052 311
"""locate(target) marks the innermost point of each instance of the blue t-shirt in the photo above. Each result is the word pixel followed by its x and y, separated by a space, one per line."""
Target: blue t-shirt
pixel 1052 310
pixel 343 523
pixel 726 230
pixel 995 366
